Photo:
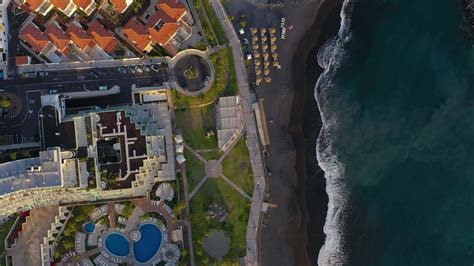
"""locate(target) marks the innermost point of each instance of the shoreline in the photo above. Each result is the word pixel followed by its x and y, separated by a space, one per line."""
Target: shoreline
pixel 285 239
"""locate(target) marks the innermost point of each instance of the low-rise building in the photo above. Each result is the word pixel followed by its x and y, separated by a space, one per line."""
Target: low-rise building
pixel 121 5
pixel 39 42
pixel 41 7
pixel 67 7
pixel 103 37
pixel 60 39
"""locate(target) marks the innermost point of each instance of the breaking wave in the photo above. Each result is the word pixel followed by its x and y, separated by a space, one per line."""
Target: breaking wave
pixel 329 57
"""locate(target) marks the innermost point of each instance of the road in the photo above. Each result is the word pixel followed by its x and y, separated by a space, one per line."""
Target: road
pixel 253 228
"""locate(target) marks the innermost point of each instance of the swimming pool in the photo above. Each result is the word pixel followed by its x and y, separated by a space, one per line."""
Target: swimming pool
pixel 149 243
pixel 117 244
pixel 90 227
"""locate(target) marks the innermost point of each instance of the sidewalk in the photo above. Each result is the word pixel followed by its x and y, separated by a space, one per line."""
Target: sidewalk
pixel 253 227
pixel 92 64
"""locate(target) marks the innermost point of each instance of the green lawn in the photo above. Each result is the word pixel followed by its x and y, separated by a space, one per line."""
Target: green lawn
pixel 195 123
pixel 4 229
pixel 194 170
pixel 215 190
pixel 211 155
pixel 237 167
pixel 225 83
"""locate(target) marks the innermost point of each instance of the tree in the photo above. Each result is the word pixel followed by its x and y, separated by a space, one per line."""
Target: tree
pixel 13 156
pixel 5 102
pixel 180 206
pixel 243 23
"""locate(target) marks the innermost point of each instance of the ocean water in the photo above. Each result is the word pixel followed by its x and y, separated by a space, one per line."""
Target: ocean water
pixel 397 142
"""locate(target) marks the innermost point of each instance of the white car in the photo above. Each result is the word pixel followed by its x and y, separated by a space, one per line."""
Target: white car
pixel 138 69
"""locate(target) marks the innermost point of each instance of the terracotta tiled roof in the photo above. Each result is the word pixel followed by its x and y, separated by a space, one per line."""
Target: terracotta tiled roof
pixel 34 4
pixel 83 4
pixel 165 33
pixel 79 36
pixel 22 60
pixel 57 36
pixel 120 5
pixel 102 36
pixel 61 4
pixel 34 37
pixel 172 8
pixel 137 33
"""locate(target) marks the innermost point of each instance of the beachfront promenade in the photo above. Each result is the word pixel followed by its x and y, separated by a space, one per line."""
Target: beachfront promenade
pixel 253 227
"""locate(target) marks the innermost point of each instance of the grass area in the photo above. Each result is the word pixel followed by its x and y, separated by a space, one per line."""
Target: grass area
pixel 194 170
pixel 225 83
pixel 215 190
pixel 195 123
pixel 4 229
pixel 211 155
pixel 216 26
pixel 238 168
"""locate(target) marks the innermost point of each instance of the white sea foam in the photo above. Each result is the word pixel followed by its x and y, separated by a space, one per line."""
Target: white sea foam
pixel 333 250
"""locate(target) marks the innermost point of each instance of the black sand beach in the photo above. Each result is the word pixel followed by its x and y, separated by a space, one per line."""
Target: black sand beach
pixel 290 103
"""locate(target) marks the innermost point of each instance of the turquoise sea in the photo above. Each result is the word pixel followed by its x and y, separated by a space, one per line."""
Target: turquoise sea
pixel 397 144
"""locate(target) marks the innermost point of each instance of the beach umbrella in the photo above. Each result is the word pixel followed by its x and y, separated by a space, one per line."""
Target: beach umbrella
pixel 258 80
pixel 272 30
pixel 268 79
pixel 273 47
pixel 263 30
pixel 273 38
pixel 276 63
pixel 257 62
pixel 266 63
pixel 264 46
pixel 254 39
pixel 258 71
pixel 253 30
pixel 255 46
pixel 264 38
pixel 265 55
pixel 274 55
pixel 256 55
pixel 266 71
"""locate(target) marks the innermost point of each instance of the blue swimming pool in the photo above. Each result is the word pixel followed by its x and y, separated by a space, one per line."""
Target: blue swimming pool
pixel 90 227
pixel 149 244
pixel 117 244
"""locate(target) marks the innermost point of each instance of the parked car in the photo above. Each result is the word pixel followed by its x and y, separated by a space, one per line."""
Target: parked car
pixel 122 70
pixel 146 68
pixel 131 70
pixel 138 69
pixel 53 91
pixel 81 77
pixel 95 75
pixel 43 74
pixel 155 68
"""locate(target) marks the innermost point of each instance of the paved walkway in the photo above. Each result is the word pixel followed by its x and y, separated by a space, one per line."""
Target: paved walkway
pixel 188 215
pixel 112 215
pixel 253 228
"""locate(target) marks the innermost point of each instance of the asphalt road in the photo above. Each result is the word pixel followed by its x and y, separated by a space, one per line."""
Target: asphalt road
pixel 24 127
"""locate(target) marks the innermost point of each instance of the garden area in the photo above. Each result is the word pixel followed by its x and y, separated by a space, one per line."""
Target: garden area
pixel 4 229
pixel 216 191
pixel 210 23
pixel 196 125
pixel 65 242
pixel 225 83
pixel 237 167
